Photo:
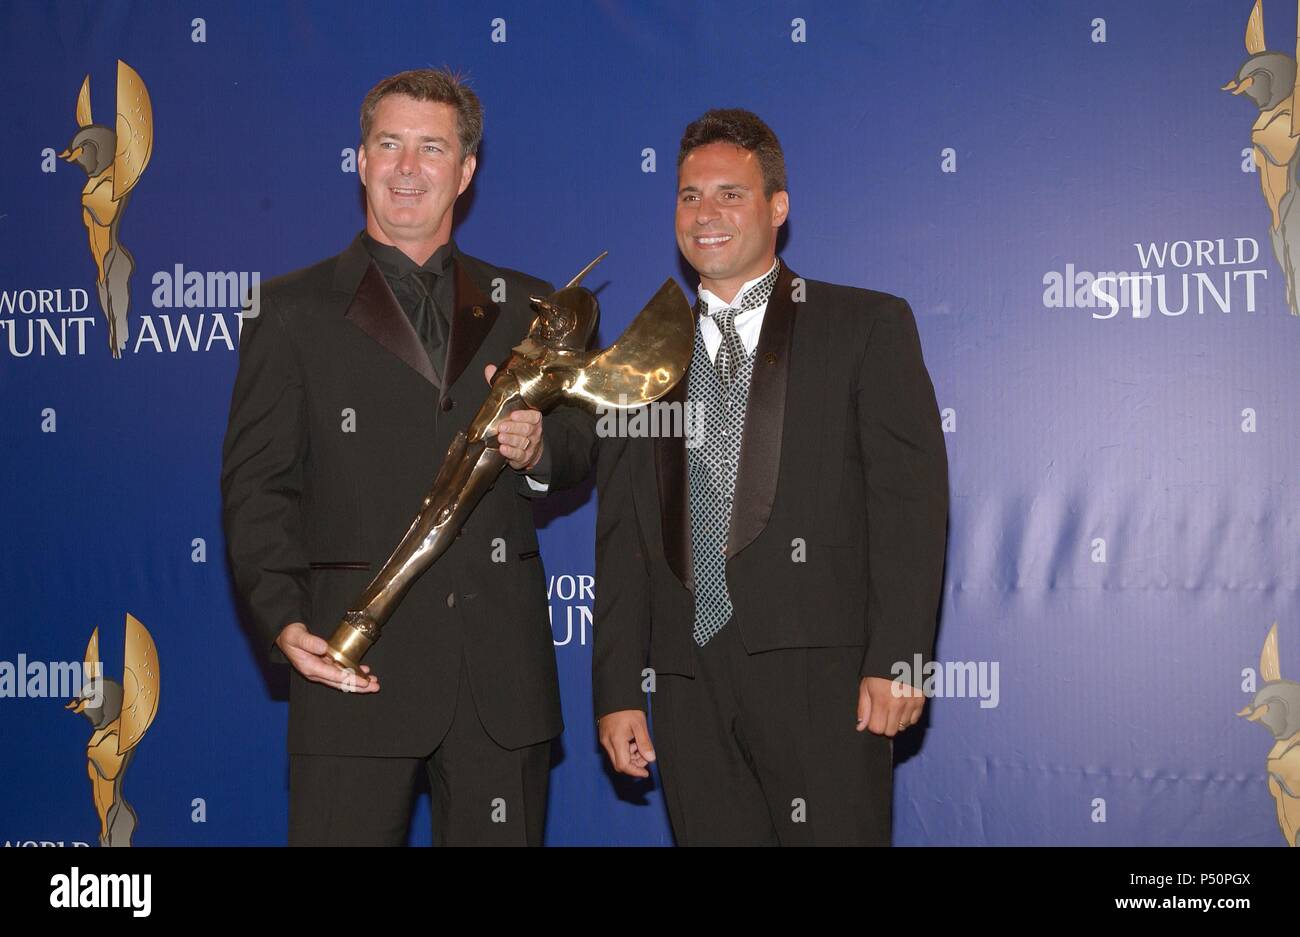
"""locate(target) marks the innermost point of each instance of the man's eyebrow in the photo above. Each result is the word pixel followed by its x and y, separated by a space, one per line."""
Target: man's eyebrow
pixel 726 186
pixel 379 134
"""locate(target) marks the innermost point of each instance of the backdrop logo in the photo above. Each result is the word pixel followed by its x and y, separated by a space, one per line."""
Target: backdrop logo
pixel 120 713
pixel 1276 706
pixel 575 593
pixel 1269 80
pixel 193 310
pixel 1170 278
pixel 113 160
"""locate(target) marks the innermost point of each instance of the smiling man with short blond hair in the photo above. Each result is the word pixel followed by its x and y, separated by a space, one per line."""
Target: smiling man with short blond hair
pixel 352 383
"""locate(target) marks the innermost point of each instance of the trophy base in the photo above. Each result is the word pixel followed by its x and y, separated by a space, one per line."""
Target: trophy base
pixel 347 646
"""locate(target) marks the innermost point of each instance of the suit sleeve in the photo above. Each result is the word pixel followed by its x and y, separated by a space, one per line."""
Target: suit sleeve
pixel 907 494
pixel 569 432
pixel 261 479
pixel 621 618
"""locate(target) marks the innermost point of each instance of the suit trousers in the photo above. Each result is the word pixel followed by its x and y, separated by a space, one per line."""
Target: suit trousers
pixel 761 749
pixel 482 794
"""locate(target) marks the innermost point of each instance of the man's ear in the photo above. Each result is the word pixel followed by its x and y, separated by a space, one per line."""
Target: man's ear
pixel 467 172
pixel 361 163
pixel 780 208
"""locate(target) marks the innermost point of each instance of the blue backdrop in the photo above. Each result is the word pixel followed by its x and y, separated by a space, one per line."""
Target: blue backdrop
pixel 1123 519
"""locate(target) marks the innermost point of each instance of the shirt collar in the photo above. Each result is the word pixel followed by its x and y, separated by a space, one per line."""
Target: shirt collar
pixel 393 262
pixel 712 302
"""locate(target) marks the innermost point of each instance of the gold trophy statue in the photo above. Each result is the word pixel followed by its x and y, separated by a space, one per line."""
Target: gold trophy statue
pixel 550 364
pixel 1277 708
pixel 113 160
pixel 120 713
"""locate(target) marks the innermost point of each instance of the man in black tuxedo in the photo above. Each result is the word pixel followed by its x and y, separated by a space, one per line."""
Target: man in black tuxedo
pixel 763 580
pixel 352 382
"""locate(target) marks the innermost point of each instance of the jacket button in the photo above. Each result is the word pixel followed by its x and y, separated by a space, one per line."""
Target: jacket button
pixel 447 404
pixel 451 600
pixel 478 312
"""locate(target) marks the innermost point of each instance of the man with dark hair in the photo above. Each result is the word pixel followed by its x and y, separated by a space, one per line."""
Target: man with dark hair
pixel 352 382
pixel 763 582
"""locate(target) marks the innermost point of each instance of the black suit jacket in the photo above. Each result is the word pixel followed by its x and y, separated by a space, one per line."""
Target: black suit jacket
pixel 842 462
pixel 338 424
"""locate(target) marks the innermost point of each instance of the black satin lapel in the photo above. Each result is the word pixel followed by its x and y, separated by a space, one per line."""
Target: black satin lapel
pixel 351 266
pixel 674 500
pixel 376 311
pixel 760 447
pixel 473 318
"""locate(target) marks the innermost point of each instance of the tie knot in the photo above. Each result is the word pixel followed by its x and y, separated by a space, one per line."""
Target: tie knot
pixel 427 280
pixel 725 317
pixel 757 295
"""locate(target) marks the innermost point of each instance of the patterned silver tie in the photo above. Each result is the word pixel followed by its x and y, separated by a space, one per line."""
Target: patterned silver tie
pixel 732 350
pixel 713 466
